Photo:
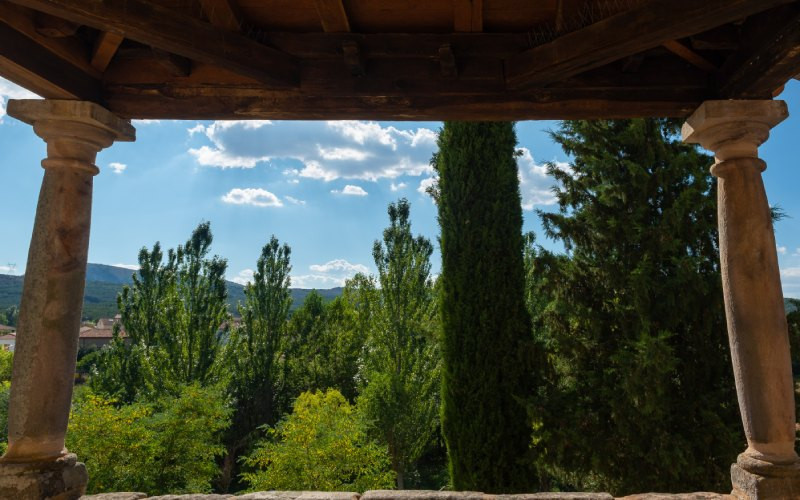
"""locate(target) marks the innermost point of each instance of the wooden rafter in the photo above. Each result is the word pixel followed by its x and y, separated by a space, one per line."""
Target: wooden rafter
pixel 468 16
pixel 332 16
pixel 223 13
pixel 625 34
pixel 771 57
pixel 689 55
pixel 105 47
pixel 33 66
pixel 151 24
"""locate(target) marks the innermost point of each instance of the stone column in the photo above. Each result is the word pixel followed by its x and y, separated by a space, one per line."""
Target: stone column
pixel 757 327
pixel 36 464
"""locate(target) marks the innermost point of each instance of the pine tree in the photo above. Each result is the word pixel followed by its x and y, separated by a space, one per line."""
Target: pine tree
pixel 642 395
pixel 485 325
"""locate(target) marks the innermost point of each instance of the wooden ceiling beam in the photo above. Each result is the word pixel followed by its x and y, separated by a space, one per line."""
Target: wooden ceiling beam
pixel 151 24
pixel 105 47
pixel 332 16
pixel 467 16
pixel 689 56
pixel 29 64
pixel 223 14
pixel 625 34
pixel 770 56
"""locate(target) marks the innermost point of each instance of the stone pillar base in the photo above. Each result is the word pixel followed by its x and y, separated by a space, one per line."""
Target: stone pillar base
pixel 758 480
pixel 62 479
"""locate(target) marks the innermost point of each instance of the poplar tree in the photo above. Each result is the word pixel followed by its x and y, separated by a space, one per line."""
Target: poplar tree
pixel 642 395
pixel 485 324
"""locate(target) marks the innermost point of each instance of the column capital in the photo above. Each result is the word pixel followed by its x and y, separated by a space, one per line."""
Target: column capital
pixel 733 129
pixel 75 131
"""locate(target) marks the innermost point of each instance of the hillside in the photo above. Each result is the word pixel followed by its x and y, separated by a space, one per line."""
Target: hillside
pixel 104 282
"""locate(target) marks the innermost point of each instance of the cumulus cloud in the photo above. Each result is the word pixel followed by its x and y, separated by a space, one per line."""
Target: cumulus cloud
pixel 9 269
pixel 327 150
pixel 9 90
pixel 534 183
pixel 117 167
pixel 424 184
pixel 781 250
pixel 244 277
pixel 331 274
pixel 398 186
pixel 252 196
pixel 351 190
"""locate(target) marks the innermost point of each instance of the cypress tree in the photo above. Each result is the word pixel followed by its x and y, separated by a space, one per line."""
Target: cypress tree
pixel 485 324
pixel 642 397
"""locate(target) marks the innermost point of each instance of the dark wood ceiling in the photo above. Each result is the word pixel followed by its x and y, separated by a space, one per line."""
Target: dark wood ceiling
pixel 400 59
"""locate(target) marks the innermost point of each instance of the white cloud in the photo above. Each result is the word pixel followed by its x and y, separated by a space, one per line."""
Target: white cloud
pixel 790 279
pixel 796 253
pixel 424 184
pixel 244 277
pixel 146 121
pixel 398 186
pixel 327 150
pixel 330 274
pixel 132 267
pixel 252 196
pixel 294 201
pixel 534 183
pixel 9 269
pixel 9 90
pixel 781 250
pixel 339 265
pixel 351 190
pixel 790 272
pixel 117 167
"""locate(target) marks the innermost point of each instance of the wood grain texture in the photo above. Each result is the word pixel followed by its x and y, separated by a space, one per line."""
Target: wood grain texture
pixel 223 13
pixel 162 28
pixel 468 16
pixel 105 47
pixel 332 16
pixel 625 34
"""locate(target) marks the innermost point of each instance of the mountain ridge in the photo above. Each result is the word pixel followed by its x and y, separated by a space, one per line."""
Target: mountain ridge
pixel 104 282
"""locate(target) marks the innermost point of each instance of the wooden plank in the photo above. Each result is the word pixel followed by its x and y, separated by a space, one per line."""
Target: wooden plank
pixel 70 49
pixel 34 67
pixel 223 13
pixel 354 59
pixel 689 55
pixel 54 27
pixel 400 45
pixel 332 16
pixel 542 105
pixel 447 61
pixel 468 16
pixel 625 34
pixel 105 47
pixel 770 56
pixel 163 28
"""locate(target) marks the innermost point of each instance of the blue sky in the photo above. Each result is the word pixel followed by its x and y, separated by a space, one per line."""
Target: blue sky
pixel 321 187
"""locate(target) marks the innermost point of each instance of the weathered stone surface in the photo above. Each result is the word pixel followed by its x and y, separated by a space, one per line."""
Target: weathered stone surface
pixel 300 495
pixel 421 495
pixel 702 495
pixel 61 479
pixel 757 328
pixel 570 495
pixel 193 496
pixel 122 495
pixel 766 483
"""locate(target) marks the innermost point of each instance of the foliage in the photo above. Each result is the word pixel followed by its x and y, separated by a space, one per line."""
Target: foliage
pixel 10 316
pixel 320 446
pixel 175 317
pixel 168 446
pixel 486 332
pixel 400 364
pixel 642 396
pixel 254 355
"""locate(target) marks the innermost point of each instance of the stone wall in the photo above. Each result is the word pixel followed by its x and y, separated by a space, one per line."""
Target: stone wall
pixel 407 495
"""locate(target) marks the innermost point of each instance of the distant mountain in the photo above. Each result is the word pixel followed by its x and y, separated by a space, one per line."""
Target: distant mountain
pixel 104 282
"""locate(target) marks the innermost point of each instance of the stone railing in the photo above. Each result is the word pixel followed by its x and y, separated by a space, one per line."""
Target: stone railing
pixel 407 495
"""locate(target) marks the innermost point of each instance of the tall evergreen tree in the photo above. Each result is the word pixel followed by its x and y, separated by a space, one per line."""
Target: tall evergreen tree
pixel 400 362
pixel 485 324
pixel 642 396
